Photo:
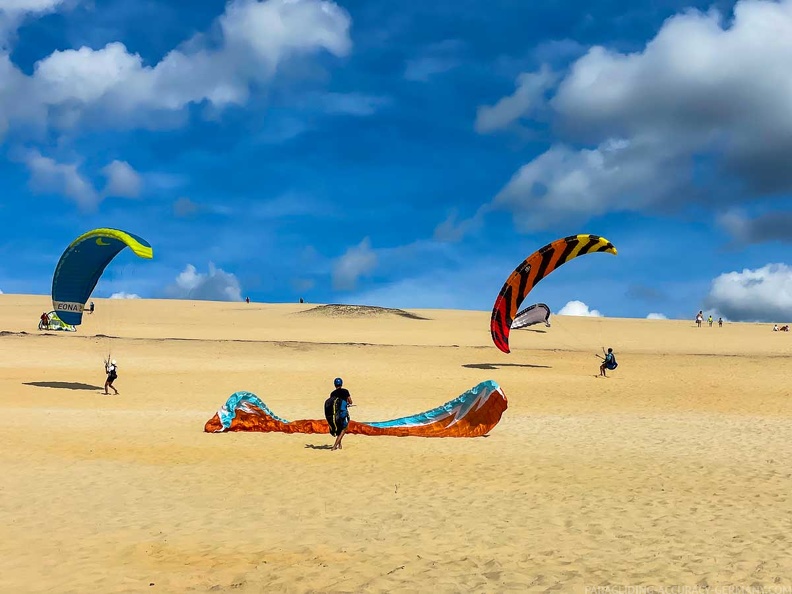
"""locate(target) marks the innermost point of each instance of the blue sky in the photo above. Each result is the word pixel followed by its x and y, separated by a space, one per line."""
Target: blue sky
pixel 404 155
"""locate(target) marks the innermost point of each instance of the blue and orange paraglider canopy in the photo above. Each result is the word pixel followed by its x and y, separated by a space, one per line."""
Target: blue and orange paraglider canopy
pixel 83 263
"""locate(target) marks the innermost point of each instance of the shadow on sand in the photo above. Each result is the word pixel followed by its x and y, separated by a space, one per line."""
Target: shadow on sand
pixel 539 330
pixel 497 365
pixel 64 385
pixel 313 446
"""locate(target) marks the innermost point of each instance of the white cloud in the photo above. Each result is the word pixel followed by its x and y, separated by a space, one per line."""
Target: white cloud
pixel 453 229
pixel 578 308
pixel 49 176
pixel 656 316
pixel 566 185
pixel 436 59
pixel 422 69
pixel 124 295
pixel 648 118
pixel 216 285
pixel 761 295
pixel 11 7
pixel 530 91
pixel 13 12
pixel 122 180
pixel 254 40
pixel 357 261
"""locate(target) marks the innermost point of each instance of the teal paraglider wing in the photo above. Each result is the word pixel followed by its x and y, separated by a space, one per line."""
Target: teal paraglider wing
pixel 83 263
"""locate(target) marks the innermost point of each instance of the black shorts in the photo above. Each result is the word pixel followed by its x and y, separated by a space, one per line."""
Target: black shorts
pixel 112 377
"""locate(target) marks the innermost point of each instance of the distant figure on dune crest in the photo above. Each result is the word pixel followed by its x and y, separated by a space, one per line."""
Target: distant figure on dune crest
pixel 609 362
pixel 337 411
pixel 91 309
pixel 720 322
pixel 775 327
pixel 247 299
pixel 709 321
pixel 112 374
pixel 699 318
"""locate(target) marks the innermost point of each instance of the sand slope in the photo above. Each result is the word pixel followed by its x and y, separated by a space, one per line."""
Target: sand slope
pixel 677 470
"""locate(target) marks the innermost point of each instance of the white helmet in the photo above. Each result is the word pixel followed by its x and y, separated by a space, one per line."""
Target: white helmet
pixel 113 362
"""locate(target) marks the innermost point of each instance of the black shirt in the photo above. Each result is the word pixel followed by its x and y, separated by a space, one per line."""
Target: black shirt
pixel 342 393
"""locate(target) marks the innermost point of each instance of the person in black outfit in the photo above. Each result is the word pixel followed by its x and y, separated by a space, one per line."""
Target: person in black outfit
pixel 112 375
pixel 337 411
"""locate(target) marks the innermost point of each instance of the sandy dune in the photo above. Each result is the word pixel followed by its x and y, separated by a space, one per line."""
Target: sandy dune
pixel 675 471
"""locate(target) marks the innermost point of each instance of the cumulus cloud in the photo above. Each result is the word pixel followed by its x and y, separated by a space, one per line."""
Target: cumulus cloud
pixel 357 261
pixel 13 13
pixel 49 176
pixel 761 295
pixel 578 308
pixel 254 39
pixel 531 87
pixel 124 295
pixel 122 180
pixel 215 285
pixel 775 226
pixel 656 316
pixel 636 124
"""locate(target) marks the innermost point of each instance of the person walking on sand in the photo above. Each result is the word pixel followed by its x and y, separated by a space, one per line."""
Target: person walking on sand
pixel 609 362
pixel 111 368
pixel 337 411
pixel 709 321
pixel 699 318
pixel 720 322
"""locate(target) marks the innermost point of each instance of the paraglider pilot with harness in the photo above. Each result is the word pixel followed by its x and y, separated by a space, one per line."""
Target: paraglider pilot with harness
pixel 608 362
pixel 337 411
pixel 111 368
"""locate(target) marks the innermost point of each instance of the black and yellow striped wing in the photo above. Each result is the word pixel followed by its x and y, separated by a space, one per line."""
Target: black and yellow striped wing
pixel 533 269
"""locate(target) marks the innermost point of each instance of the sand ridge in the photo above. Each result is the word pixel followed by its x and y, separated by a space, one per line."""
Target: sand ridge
pixel 673 471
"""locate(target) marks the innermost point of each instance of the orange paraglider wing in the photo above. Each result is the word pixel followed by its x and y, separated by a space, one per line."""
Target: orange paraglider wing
pixel 533 269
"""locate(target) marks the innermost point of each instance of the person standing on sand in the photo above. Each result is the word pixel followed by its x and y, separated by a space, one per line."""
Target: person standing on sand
pixel 699 318
pixel 720 322
pixel 337 411
pixel 112 374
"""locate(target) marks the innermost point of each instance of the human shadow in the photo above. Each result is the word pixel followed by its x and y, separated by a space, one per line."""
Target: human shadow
pixel 318 447
pixel 497 365
pixel 539 330
pixel 64 385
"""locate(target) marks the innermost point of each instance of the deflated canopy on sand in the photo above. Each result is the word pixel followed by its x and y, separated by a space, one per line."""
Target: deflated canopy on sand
pixel 55 323
pixel 83 263
pixel 472 414
pixel 533 314
pixel 533 269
